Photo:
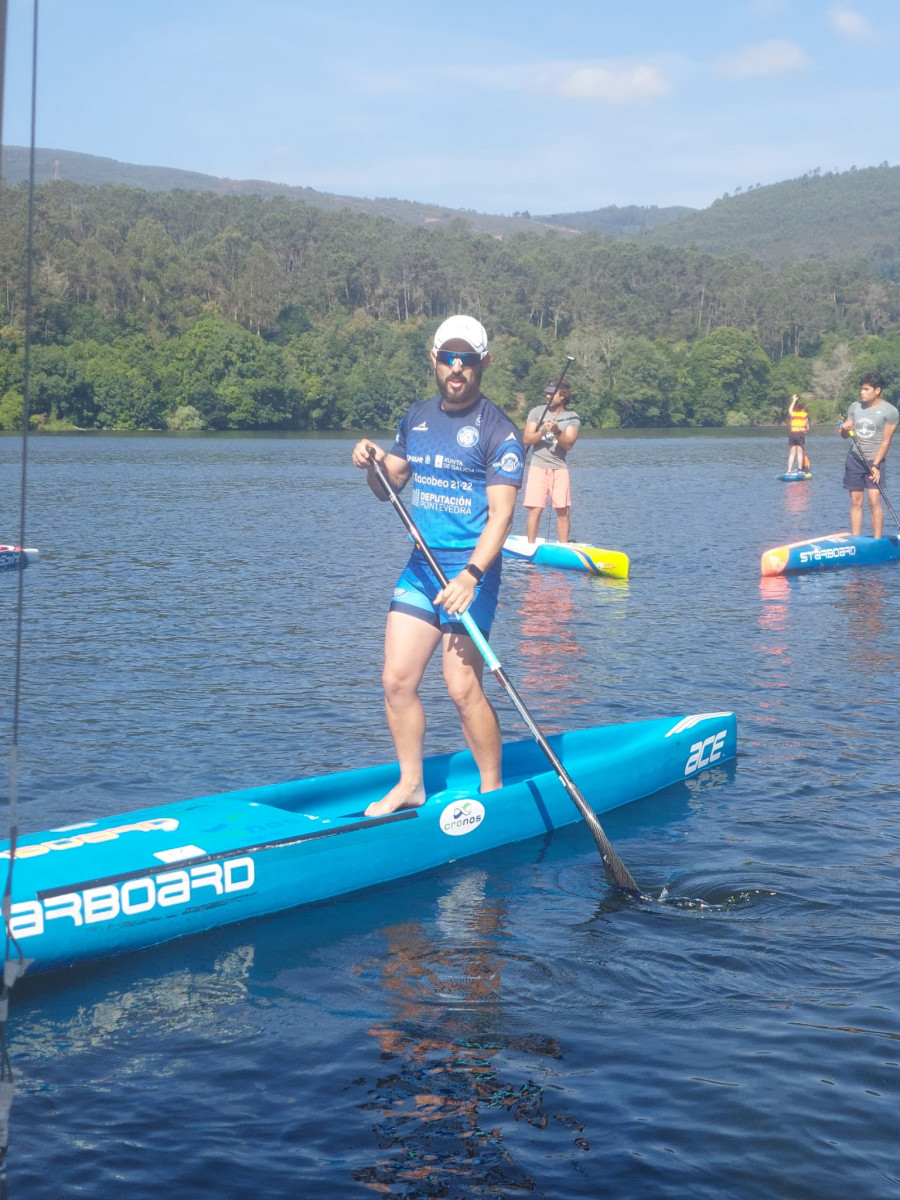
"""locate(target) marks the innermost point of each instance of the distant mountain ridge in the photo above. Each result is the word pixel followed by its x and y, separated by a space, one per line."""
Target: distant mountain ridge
pixel 852 214
pixel 94 171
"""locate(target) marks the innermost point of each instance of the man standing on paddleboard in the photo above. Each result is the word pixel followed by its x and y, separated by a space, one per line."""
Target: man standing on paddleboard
pixel 872 422
pixel 552 430
pixel 466 460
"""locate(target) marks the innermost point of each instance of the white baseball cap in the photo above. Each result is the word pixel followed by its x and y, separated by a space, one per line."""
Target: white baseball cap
pixel 464 329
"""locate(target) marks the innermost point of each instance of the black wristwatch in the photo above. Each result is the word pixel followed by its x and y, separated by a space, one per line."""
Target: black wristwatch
pixel 474 571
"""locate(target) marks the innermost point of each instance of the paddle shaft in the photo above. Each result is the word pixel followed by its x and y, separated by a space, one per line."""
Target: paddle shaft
pixel 859 450
pixel 616 871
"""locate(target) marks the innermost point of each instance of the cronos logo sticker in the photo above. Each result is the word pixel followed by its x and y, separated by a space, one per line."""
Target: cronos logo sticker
pixel 462 816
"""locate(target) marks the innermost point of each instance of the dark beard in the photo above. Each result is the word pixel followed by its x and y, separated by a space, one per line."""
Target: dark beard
pixel 468 396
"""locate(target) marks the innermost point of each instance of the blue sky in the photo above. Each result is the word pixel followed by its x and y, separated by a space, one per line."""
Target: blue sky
pixel 497 106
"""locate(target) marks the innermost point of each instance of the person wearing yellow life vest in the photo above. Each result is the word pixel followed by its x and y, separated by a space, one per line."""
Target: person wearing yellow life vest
pixel 799 428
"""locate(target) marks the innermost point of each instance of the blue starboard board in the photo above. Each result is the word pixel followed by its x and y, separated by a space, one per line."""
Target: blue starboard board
pixel 115 885
pixel 831 550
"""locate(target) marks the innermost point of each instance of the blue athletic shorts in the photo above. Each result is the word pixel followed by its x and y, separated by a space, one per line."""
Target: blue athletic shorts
pixel 858 479
pixel 417 587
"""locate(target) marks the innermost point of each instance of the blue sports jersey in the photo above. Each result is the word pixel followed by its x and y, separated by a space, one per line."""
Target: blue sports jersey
pixel 454 457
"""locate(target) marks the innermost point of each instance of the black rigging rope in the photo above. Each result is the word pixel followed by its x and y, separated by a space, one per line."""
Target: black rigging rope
pixel 14 962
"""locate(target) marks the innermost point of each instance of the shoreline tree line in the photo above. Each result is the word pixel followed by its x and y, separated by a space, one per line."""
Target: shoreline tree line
pixel 186 310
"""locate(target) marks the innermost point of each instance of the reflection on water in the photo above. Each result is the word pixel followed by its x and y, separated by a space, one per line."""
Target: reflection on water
pixel 861 600
pixel 448 1086
pixel 797 498
pixel 558 613
pixel 774 626
pixel 185 1000
pixel 551 655
pixel 774 592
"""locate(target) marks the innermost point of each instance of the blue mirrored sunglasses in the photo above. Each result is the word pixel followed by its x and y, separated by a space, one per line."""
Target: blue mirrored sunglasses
pixel 448 357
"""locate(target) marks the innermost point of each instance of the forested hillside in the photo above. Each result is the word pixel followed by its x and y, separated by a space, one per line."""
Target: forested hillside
pixel 629 221
pixel 841 215
pixel 851 214
pixel 189 310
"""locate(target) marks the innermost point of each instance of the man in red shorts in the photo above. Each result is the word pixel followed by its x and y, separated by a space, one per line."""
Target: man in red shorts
pixel 552 429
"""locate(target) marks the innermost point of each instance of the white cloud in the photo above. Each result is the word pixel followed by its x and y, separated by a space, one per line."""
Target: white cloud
pixel 616 85
pixel 766 58
pixel 851 24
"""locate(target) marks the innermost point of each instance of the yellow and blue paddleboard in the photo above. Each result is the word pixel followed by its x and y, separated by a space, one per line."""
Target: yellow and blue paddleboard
pixel 573 556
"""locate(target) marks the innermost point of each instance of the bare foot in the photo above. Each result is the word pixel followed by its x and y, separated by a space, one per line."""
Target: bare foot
pixel 401 796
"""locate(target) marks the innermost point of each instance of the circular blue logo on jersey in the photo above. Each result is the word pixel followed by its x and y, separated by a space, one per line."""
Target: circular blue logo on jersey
pixel 467 436
pixel 511 462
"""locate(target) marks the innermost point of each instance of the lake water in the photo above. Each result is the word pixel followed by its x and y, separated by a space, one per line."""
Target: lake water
pixel 207 614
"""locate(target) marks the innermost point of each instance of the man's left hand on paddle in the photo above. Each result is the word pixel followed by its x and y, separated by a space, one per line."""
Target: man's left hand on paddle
pixel 458 594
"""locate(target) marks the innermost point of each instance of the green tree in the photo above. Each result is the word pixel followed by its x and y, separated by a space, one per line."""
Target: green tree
pixel 125 387
pixel 646 381
pixel 12 409
pixel 233 378
pixel 727 372
pixel 59 392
